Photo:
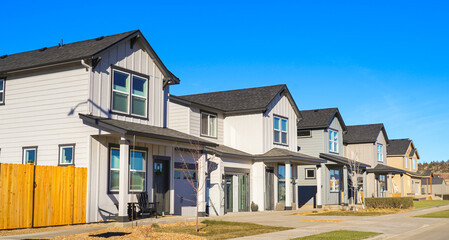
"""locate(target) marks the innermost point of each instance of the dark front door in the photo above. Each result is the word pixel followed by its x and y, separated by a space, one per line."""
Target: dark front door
pixel 269 189
pixel 161 183
pixel 229 196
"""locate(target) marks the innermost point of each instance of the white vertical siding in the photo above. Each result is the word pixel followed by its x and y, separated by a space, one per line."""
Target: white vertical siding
pixel 36 113
pixel 138 60
pixel 279 106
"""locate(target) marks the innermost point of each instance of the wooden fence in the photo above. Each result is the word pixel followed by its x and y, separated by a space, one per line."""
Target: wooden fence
pixel 57 198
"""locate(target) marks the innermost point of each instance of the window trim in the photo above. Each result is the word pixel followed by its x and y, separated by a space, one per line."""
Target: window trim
pixel 406 163
pixel 280 130
pixel 23 153
pixel 129 94
pixel 208 128
pixel 2 100
pixel 332 140
pixel 314 173
pixel 381 154
pixel 339 181
pixel 117 146
pixel 145 169
pixel 60 146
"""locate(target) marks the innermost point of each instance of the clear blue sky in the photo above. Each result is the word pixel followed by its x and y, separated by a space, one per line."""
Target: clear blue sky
pixel 377 62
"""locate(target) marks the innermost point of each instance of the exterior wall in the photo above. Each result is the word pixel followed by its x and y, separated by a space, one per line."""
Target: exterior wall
pixel 279 106
pixel 381 140
pixel 244 132
pixel 179 117
pixel 135 59
pixel 195 125
pixel 37 113
pixel 313 145
pixel 397 162
pixel 101 202
pixel 335 125
pixel 363 152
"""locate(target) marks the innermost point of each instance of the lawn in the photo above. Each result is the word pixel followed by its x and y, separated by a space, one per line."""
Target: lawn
pixel 440 214
pixel 341 234
pixel 366 212
pixel 429 203
pixel 222 230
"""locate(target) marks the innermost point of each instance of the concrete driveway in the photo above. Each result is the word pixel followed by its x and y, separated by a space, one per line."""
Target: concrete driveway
pixel 394 226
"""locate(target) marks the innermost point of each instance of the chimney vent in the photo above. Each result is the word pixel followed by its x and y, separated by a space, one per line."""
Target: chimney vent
pixel 61 44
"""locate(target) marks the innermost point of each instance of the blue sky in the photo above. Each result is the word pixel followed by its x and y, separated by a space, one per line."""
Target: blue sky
pixel 384 61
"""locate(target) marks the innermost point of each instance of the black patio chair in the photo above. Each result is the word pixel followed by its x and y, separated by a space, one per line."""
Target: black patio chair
pixel 145 206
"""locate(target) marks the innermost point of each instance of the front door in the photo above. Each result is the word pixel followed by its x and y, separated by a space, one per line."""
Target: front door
pixel 269 189
pixel 229 197
pixel 161 183
pixel 243 193
pixel 334 196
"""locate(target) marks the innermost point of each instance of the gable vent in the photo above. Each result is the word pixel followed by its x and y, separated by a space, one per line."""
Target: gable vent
pixel 4 56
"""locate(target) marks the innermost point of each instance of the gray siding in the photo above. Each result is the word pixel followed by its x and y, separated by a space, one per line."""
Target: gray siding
pixel 335 125
pixel 313 145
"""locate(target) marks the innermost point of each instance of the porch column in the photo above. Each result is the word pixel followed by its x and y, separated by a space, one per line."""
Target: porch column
pixel 378 186
pixel 319 188
pixel 390 184
pixel 288 186
pixel 427 186
pixel 345 185
pixel 402 185
pixel 431 185
pixel 365 190
pixel 123 181
pixel 202 184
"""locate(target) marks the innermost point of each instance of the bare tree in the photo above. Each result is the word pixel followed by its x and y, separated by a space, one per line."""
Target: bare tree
pixel 354 172
pixel 197 164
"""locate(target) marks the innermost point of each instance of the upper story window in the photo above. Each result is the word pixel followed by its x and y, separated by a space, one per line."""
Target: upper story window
pixel 414 163
pixel 333 141
pixel 406 162
pixel 280 130
pixel 380 152
pixel 2 91
pixel 129 93
pixel 304 133
pixel 208 124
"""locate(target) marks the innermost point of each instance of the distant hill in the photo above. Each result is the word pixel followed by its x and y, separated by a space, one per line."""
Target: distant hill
pixel 436 167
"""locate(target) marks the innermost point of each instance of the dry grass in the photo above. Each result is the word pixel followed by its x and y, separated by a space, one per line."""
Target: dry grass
pixel 364 212
pixel 340 235
pixel 47 229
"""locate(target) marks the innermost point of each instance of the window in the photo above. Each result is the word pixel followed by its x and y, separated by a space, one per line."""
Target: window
pixel 304 133
pixel 280 130
pixel 281 183
pixel 333 141
pixel 382 183
pixel 406 162
pixel 29 155
pixel 2 91
pixel 334 180
pixel 208 124
pixel 126 86
pixel 414 163
pixel 380 152
pixel 137 170
pixel 310 173
pixel 66 154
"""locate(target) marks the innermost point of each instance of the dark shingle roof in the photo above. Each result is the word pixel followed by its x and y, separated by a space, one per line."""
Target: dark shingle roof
pixel 143 130
pixel 364 133
pixel 421 173
pixel 236 100
pixel 222 149
pixel 342 160
pixel 52 55
pixel 319 118
pixel 384 169
pixel 280 153
pixel 398 146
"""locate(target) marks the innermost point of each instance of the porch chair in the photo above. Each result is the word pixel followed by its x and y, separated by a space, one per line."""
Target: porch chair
pixel 146 207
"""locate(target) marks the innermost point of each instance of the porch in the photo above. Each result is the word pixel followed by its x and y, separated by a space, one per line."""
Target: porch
pixel 384 187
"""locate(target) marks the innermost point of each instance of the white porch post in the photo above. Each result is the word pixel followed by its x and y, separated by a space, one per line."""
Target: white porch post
pixel 390 183
pixel 123 180
pixel 288 186
pixel 365 189
pixel 319 188
pixel 345 186
pixel 202 184
pixel 402 185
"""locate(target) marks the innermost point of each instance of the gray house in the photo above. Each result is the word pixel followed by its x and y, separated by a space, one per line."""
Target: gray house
pixel 320 134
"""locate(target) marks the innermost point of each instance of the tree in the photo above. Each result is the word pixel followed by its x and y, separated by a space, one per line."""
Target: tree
pixel 195 170
pixel 354 173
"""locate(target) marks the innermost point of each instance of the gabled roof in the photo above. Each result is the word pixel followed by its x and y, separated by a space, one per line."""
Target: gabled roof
pixel 284 154
pixel 240 100
pixel 320 118
pixel 71 52
pixel 421 173
pixel 225 150
pixel 384 169
pixel 399 146
pixel 364 133
pixel 343 160
pixel 122 127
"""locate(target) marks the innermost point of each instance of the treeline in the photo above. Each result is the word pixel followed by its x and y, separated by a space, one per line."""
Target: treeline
pixel 437 167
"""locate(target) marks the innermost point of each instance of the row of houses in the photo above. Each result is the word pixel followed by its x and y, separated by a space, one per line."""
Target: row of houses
pixel 105 104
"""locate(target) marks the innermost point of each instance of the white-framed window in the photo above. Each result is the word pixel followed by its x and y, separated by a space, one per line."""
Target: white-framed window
pixel 310 173
pixel 333 141
pixel 129 93
pixel 208 124
pixel 2 91
pixel 380 152
pixel 280 130
pixel 137 170
pixel 414 163
pixel 29 155
pixel 406 162
pixel 334 180
pixel 67 154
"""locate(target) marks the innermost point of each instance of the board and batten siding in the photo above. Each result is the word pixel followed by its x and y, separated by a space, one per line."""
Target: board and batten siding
pixel 280 106
pixel 179 117
pixel 135 59
pixel 244 132
pixel 195 125
pixel 36 113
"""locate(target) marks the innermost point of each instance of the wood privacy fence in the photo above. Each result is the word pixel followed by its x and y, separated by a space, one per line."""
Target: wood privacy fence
pixel 38 196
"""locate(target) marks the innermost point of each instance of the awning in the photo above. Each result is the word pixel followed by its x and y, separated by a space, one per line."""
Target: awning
pixel 384 169
pixel 130 128
pixel 343 160
pixel 276 154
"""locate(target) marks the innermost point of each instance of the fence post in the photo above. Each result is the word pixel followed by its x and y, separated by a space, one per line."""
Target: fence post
pixel 33 189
